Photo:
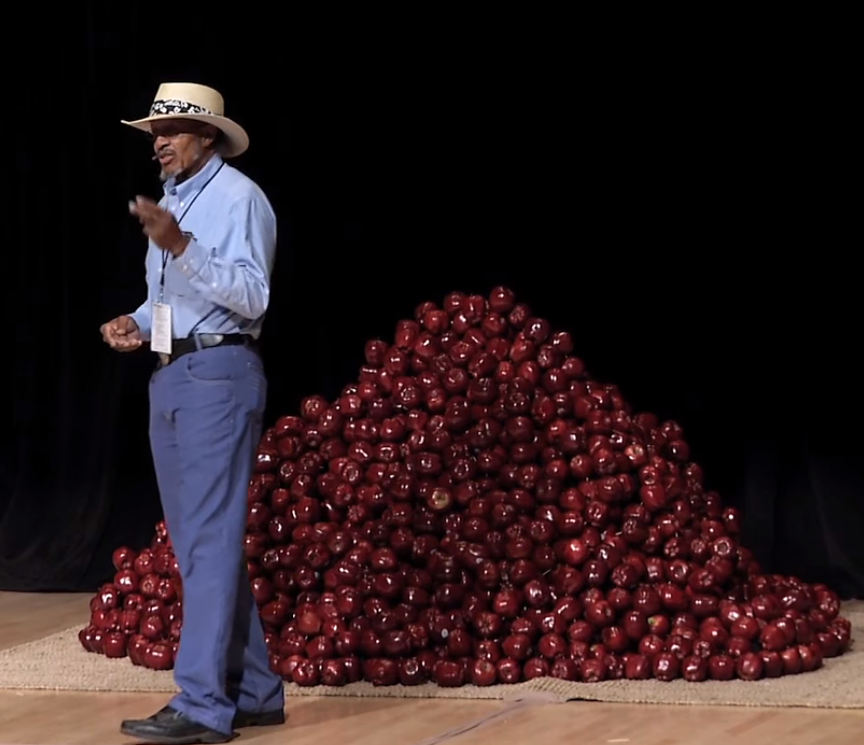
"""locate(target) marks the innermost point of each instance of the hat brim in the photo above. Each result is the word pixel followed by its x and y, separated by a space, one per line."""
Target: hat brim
pixel 236 138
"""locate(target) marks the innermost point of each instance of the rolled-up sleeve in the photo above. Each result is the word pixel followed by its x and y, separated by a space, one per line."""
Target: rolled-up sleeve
pixel 142 315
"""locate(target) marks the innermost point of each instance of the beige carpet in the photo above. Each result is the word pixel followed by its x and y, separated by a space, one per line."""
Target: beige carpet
pixel 58 662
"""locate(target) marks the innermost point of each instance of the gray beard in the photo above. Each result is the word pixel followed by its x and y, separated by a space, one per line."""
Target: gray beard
pixel 178 177
pixel 184 174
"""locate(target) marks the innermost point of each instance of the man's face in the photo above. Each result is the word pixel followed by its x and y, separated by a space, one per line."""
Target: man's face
pixel 181 145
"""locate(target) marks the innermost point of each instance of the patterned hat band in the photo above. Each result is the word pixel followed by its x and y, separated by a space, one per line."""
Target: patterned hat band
pixel 175 106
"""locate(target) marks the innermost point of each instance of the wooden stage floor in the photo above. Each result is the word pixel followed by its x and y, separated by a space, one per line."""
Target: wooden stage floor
pixel 49 718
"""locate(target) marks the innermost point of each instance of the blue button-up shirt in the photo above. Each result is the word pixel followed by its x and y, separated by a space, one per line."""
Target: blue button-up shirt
pixel 221 283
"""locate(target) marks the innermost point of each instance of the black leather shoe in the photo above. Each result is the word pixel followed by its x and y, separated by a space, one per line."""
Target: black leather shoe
pixel 170 727
pixel 258 719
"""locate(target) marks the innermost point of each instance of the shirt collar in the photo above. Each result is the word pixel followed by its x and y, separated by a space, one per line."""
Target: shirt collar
pixel 194 183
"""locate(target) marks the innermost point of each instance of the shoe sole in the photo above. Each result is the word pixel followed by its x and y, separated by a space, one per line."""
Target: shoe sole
pixel 264 719
pixel 212 739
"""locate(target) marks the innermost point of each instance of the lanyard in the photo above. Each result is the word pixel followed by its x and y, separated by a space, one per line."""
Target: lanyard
pixel 179 220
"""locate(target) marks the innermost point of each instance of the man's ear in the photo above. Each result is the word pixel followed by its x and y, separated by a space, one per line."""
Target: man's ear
pixel 211 136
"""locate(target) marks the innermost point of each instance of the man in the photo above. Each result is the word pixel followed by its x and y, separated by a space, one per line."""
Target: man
pixel 212 241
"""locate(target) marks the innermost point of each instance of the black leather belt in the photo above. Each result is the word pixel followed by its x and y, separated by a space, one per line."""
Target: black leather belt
pixel 180 347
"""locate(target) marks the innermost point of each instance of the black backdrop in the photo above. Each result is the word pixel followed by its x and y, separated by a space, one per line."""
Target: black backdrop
pixel 678 219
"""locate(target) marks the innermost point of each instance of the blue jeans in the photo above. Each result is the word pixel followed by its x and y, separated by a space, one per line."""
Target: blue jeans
pixel 205 426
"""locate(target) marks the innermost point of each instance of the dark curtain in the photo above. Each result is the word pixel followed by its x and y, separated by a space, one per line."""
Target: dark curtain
pixel 693 258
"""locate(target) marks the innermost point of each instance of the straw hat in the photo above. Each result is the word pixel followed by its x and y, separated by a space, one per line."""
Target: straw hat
pixel 198 102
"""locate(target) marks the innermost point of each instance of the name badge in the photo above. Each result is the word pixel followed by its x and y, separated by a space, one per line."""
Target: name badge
pixel 160 337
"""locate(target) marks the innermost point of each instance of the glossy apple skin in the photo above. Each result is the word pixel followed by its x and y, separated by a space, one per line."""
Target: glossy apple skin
pixel 476 508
